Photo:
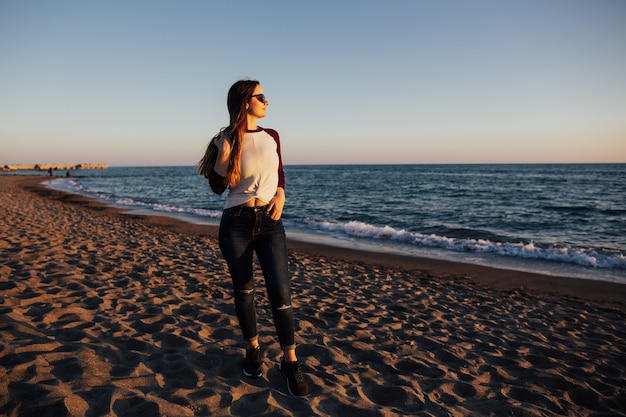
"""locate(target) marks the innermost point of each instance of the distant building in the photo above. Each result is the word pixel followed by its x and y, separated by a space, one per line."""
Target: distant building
pixel 54 167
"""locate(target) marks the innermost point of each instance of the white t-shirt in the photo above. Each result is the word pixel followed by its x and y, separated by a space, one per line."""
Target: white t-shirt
pixel 260 164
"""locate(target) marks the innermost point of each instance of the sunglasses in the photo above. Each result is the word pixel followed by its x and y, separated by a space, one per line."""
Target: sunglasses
pixel 260 97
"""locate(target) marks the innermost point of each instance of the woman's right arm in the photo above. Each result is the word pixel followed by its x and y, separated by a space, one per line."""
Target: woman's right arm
pixel 223 156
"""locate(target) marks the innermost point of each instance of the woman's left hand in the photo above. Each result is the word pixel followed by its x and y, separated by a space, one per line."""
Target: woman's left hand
pixel 276 205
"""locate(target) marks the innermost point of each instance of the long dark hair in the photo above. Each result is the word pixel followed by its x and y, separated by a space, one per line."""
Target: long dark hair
pixel 239 95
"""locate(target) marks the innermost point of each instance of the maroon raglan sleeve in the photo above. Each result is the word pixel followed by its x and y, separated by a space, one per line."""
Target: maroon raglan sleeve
pixel 281 171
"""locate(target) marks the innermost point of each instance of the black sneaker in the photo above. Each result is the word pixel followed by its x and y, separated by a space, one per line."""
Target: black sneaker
pixel 296 381
pixel 253 362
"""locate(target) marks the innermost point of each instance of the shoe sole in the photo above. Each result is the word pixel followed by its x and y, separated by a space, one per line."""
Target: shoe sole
pixel 255 376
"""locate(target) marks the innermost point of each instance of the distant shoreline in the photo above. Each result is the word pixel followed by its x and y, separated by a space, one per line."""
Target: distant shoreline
pixel 30 166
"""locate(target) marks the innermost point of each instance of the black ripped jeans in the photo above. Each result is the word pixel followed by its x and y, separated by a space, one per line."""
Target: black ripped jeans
pixel 243 232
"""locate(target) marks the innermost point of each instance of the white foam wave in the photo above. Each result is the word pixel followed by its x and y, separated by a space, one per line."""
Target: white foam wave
pixel 167 208
pixel 69 185
pixel 579 256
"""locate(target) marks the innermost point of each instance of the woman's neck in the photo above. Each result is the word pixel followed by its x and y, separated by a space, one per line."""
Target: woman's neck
pixel 252 123
pixel 252 126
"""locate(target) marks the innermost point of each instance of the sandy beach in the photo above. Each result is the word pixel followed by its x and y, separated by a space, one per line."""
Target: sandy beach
pixel 110 314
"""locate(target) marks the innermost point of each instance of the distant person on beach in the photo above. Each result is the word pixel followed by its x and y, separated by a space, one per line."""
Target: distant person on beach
pixel 246 158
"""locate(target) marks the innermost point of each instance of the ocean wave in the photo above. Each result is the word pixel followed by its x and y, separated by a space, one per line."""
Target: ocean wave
pixel 568 209
pixel 72 186
pixel 167 208
pixel 529 250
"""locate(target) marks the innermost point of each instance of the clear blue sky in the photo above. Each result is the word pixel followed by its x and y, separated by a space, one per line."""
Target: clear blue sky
pixel 144 83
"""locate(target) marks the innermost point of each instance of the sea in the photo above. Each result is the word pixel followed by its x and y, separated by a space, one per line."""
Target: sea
pixel 555 219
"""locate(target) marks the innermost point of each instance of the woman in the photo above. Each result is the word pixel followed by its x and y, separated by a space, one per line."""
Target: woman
pixel 249 163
